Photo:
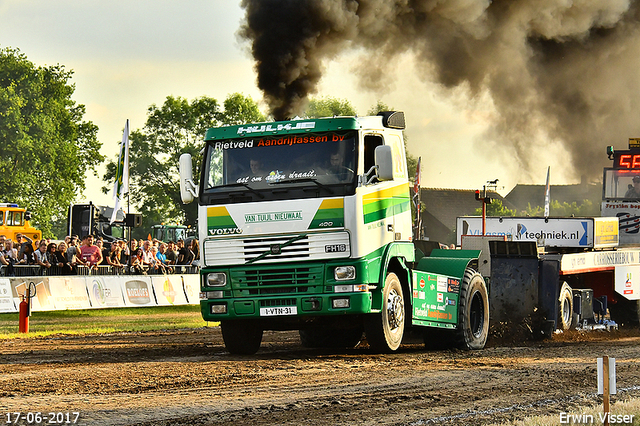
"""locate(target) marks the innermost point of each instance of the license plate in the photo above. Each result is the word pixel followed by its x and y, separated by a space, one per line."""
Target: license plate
pixel 284 310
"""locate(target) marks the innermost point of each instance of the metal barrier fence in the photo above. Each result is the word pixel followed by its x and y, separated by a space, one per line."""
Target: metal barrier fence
pixel 35 270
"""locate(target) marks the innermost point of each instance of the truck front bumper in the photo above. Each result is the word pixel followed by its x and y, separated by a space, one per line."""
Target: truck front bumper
pixel 286 307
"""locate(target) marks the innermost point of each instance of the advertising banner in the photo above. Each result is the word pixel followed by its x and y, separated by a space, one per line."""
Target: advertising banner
pixel 192 288
pixel 137 291
pixel 42 300
pixel 68 293
pixel 627 281
pixel 105 291
pixel 168 290
pixel 589 232
pixel 7 304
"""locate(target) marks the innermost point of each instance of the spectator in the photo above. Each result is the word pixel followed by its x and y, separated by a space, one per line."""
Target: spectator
pixel 27 257
pixel 148 256
pixel 9 257
pixel 51 253
pixel 185 255
pixel 125 254
pixel 42 257
pixel 195 249
pixel 171 254
pixel 65 265
pixel 156 264
pixel 99 242
pixel 90 254
pixel 137 265
pixel 72 249
pixel 161 255
pixel 113 257
pixel 22 242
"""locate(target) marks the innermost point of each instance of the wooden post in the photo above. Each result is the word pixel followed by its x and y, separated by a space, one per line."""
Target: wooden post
pixel 605 389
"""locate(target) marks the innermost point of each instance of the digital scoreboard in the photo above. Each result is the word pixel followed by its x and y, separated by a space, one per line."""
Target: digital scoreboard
pixel 627 159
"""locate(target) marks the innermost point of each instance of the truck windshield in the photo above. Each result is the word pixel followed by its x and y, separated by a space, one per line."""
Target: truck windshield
pixel 621 185
pixel 281 166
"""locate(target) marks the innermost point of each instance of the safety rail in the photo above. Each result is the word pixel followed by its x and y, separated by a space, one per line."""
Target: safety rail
pixel 35 270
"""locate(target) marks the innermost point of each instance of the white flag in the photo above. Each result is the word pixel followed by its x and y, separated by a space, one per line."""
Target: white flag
pixel 121 185
pixel 546 195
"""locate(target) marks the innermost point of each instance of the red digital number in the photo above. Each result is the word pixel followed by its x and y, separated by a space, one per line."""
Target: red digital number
pixel 629 161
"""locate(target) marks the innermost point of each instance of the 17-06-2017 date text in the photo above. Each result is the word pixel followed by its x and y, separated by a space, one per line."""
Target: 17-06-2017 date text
pixel 38 418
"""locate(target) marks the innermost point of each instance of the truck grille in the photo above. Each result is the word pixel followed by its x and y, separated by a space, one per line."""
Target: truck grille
pixel 278 281
pixel 258 250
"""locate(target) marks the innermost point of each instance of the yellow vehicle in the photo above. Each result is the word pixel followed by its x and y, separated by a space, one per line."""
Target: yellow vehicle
pixel 14 220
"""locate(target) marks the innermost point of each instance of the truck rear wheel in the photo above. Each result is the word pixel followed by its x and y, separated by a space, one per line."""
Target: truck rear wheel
pixel 385 330
pixel 473 312
pixel 241 337
pixel 565 307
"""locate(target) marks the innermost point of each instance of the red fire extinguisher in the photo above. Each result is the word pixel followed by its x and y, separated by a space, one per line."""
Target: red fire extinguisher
pixel 25 308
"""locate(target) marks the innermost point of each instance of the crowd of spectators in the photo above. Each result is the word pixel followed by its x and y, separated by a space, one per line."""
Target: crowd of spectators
pixel 73 256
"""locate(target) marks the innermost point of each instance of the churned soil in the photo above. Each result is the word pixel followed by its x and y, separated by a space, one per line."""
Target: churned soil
pixel 185 377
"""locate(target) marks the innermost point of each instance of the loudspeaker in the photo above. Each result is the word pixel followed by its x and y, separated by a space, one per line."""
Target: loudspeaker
pixel 133 220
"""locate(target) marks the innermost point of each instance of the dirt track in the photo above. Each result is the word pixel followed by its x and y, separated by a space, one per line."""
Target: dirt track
pixel 186 377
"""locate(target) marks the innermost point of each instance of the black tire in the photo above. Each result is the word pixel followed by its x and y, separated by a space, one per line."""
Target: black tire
pixel 385 330
pixel 625 312
pixel 330 338
pixel 473 312
pixel 241 337
pixel 565 307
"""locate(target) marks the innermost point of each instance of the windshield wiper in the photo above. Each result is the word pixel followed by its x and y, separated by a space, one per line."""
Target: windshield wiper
pixel 312 180
pixel 246 185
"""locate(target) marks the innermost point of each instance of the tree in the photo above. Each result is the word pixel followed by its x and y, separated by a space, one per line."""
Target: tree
pixel 496 209
pixel 177 127
pixel 46 148
pixel 564 209
pixel 329 107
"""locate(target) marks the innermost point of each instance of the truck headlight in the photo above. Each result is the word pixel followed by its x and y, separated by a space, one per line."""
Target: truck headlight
pixel 342 273
pixel 216 279
pixel 219 308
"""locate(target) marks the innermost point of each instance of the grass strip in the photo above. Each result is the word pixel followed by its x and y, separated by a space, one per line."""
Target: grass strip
pixel 108 320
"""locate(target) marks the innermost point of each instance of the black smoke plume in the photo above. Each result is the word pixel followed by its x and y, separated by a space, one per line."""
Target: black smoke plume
pixel 567 71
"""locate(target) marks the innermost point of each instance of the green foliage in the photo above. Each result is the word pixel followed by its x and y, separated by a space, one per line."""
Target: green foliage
pixel 329 107
pixel 176 127
pixel 557 209
pixel 45 146
pixel 496 209
pixel 564 209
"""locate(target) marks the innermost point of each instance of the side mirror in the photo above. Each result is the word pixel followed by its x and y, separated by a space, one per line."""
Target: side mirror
pixel 384 162
pixel 188 189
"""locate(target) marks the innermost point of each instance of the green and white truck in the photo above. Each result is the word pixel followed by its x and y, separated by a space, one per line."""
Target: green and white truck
pixel 307 225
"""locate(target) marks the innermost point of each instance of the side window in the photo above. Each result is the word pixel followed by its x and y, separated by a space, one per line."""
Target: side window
pixel 398 158
pixel 370 144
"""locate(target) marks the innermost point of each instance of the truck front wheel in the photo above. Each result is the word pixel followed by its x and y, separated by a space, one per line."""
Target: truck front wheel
pixel 385 330
pixel 241 337
pixel 473 312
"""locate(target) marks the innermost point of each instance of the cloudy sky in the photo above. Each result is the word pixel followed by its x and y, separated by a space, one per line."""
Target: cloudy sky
pixel 128 55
